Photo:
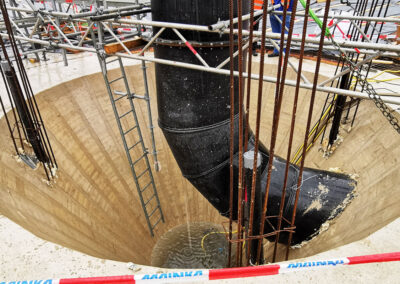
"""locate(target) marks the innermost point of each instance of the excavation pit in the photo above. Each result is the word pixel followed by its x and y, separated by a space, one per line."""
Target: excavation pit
pixel 93 207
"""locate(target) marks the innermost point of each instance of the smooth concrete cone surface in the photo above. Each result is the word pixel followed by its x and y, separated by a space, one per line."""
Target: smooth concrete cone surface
pixel 93 206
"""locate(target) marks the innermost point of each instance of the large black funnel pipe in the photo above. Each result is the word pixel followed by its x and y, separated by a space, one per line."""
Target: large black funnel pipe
pixel 194 109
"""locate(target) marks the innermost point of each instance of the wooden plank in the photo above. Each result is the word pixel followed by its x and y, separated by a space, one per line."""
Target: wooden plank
pixel 112 48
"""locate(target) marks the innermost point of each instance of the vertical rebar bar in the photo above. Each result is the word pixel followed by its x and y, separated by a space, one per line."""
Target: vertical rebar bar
pixel 240 155
pixel 258 121
pixel 8 124
pixel 249 67
pixel 232 128
pixel 9 96
pixel 310 111
pixel 34 123
pixel 151 126
pixel 377 39
pixel 247 112
pixel 288 45
pixel 282 66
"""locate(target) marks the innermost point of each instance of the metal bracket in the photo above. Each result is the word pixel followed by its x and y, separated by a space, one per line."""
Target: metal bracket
pixel 139 97
pixel 31 161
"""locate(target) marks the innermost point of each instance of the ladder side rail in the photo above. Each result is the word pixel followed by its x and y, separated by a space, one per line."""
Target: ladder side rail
pixel 103 65
pixel 140 136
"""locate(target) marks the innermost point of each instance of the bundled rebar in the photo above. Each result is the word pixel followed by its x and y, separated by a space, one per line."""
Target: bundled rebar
pixel 25 122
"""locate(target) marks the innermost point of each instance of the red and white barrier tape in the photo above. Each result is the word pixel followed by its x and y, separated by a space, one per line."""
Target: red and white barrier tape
pixel 218 274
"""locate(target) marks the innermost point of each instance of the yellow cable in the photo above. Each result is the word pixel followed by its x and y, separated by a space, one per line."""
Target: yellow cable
pixel 385 71
pixel 308 148
pixel 296 159
pixel 211 233
pixel 383 80
pixel 206 235
pixel 374 80
pixel 313 130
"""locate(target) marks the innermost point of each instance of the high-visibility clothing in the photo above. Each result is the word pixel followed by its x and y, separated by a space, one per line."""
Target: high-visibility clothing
pixel 289 4
pixel 258 4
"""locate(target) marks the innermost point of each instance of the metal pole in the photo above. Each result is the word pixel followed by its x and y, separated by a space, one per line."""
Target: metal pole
pixel 255 77
pixel 151 41
pixel 269 79
pixel 60 35
pixel 351 44
pixel 151 126
pixel 289 62
pixel 226 24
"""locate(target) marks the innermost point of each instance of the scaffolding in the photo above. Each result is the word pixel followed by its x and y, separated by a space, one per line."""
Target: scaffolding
pixel 91 27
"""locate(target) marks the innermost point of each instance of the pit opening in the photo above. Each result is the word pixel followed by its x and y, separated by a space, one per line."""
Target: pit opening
pixel 93 207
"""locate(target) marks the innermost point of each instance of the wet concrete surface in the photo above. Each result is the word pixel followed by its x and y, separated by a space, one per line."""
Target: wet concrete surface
pixel 192 245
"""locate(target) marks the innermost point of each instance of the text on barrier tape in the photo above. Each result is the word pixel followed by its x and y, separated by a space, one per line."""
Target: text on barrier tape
pixel 217 274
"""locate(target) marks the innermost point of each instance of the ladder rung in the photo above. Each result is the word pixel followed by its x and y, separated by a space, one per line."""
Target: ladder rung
pixel 109 62
pixel 115 80
pixel 139 176
pixel 140 97
pixel 145 187
pixel 152 212
pixel 121 97
pixel 134 145
pixel 155 224
pixel 135 162
pixel 126 132
pixel 125 114
pixel 119 93
pixel 151 198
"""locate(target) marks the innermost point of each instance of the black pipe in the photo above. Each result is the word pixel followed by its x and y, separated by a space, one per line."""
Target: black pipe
pixel 193 109
pixel 119 15
pixel 339 107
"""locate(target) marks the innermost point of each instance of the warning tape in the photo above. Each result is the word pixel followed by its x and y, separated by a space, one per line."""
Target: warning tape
pixel 219 274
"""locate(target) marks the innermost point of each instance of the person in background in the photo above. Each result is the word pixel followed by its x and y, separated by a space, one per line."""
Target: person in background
pixel 276 24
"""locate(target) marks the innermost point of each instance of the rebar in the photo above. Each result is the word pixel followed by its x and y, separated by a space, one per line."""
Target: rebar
pixel 240 155
pixel 32 124
pixel 288 45
pixel 310 111
pixel 249 66
pixel 257 132
pixel 232 128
